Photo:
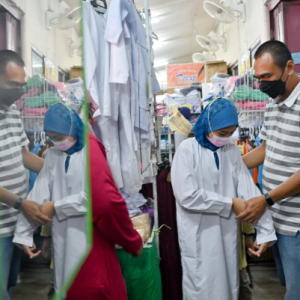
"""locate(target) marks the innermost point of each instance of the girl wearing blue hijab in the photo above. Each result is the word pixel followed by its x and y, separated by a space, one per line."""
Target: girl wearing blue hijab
pixel 60 189
pixel 65 128
pixel 210 181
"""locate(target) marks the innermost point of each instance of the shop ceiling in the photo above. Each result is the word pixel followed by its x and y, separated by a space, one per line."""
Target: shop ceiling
pixel 176 23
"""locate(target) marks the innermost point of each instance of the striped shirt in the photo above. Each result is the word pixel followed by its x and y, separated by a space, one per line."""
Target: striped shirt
pixel 281 132
pixel 12 171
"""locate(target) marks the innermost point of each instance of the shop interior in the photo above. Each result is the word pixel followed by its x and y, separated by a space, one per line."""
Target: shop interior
pixel 196 51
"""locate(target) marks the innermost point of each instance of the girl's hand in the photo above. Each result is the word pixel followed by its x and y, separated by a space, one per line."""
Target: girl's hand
pixel 260 249
pixel 29 251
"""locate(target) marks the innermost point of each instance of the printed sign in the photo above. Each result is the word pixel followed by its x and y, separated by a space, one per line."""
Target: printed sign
pixel 184 75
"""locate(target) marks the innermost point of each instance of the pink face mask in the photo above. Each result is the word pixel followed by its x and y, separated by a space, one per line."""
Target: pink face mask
pixel 64 145
pixel 219 141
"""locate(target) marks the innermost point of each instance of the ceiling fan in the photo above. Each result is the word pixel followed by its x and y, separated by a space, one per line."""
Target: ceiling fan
pixel 223 12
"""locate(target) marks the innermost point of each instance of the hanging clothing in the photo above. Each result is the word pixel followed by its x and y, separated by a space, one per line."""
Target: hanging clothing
pixel 169 245
pixel 69 224
pixel 207 228
pixel 33 175
pixel 100 276
pixel 117 76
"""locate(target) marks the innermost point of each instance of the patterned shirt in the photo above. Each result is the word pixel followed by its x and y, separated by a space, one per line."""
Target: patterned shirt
pixel 12 171
pixel 281 132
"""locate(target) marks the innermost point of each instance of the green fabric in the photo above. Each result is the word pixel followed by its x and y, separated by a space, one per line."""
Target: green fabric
pixel 34 81
pixel 50 98
pixel 46 99
pixel 142 275
pixel 34 102
pixel 244 92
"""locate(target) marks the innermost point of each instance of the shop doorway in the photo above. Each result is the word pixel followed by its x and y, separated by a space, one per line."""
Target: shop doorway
pixel 285 24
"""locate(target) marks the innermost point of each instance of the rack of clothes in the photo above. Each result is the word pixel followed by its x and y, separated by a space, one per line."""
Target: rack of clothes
pixel 248 141
pixel 249 100
pixel 41 93
pixel 120 78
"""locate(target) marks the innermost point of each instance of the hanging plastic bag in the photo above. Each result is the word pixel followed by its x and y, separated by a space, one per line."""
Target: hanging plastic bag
pixel 179 123
pixel 141 224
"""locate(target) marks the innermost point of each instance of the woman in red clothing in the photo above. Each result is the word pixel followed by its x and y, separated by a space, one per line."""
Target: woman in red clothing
pixel 100 277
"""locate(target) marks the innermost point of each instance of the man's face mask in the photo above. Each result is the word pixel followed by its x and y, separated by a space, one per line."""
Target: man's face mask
pixel 10 96
pixel 273 88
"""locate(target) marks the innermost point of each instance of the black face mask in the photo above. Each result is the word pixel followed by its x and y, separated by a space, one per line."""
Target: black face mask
pixel 10 96
pixel 273 88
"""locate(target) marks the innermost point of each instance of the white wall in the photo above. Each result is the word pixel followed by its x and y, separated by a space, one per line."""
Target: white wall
pixel 242 36
pixel 54 43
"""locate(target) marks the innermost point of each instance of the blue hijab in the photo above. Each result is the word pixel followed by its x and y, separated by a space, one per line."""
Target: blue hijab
pixel 64 120
pixel 221 113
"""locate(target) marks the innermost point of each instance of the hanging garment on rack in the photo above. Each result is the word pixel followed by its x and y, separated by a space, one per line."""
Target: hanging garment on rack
pixel 107 131
pixel 169 245
pixel 260 168
pixel 116 59
pixel 33 175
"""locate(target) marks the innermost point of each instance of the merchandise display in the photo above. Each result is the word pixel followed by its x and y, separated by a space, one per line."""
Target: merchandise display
pixel 149 150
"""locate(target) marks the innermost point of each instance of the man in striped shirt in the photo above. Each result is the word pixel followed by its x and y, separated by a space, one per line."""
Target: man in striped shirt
pixel 280 153
pixel 13 158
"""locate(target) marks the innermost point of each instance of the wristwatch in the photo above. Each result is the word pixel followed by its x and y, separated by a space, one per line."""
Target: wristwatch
pixel 269 200
pixel 18 203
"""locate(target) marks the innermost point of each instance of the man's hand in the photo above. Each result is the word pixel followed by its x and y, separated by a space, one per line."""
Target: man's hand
pixel 34 214
pixel 260 249
pixel 29 251
pixel 238 205
pixel 48 208
pixel 253 210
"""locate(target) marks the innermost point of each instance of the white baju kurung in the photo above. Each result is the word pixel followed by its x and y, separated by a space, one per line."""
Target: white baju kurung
pixel 207 229
pixel 69 235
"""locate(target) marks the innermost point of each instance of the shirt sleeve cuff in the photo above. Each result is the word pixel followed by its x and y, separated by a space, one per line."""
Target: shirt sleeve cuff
pixel 27 241
pixel 227 207
pixel 271 238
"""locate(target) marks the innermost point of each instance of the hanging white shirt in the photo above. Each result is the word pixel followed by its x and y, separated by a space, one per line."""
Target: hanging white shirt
pixel 69 236
pixel 207 229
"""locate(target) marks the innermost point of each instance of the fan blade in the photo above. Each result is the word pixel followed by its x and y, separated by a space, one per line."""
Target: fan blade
pixel 219 12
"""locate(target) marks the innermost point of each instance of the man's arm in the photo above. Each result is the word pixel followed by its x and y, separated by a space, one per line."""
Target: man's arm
pixel 32 210
pixel 255 207
pixel 32 162
pixel 256 157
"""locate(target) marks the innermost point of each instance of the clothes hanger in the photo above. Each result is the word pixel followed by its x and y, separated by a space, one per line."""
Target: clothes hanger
pixel 96 3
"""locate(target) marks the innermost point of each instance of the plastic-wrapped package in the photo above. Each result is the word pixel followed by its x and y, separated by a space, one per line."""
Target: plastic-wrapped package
pixel 141 224
pixel 179 123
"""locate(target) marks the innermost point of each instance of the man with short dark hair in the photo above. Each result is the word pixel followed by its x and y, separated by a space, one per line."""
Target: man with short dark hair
pixel 14 156
pixel 280 153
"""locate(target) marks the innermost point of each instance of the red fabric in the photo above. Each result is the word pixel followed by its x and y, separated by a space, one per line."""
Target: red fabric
pixel 100 276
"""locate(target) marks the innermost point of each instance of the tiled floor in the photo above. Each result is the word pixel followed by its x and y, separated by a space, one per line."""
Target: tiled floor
pixel 266 285
pixel 34 284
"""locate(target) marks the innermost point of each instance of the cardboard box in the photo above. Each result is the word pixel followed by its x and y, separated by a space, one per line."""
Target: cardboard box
pixel 76 72
pixel 213 67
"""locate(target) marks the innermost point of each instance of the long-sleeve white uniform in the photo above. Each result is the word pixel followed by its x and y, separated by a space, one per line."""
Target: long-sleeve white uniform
pixel 69 224
pixel 207 229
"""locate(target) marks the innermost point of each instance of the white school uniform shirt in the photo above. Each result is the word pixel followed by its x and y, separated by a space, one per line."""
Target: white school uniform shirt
pixel 207 228
pixel 96 67
pixel 69 236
